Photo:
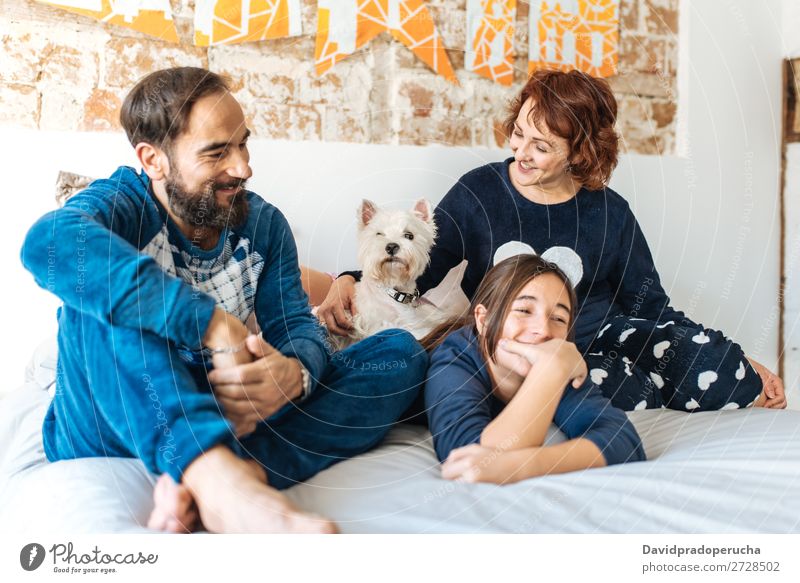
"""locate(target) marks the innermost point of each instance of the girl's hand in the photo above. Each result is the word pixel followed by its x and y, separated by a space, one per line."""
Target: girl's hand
pixel 475 463
pixel 517 363
pixel 773 386
pixel 558 353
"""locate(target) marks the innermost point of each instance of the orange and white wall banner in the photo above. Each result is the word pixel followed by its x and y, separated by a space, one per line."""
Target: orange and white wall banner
pixel 574 34
pixel 153 17
pixel 344 26
pixel 490 39
pixel 237 21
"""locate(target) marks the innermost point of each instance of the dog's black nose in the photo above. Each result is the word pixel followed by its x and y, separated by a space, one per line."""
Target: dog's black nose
pixel 392 248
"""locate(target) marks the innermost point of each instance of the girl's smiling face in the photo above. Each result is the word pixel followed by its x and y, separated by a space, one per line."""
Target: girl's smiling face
pixel 539 312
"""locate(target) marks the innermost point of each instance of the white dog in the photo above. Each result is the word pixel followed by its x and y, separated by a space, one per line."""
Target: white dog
pixel 393 251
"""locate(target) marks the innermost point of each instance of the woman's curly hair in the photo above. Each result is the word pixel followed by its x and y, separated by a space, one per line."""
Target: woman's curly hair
pixel 582 110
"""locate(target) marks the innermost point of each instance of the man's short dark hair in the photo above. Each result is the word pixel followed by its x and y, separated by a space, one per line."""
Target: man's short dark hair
pixel 157 108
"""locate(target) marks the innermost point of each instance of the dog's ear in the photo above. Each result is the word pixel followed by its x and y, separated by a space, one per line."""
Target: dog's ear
pixel 366 211
pixel 422 208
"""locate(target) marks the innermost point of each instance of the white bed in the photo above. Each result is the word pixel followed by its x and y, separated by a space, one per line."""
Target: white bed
pixel 733 471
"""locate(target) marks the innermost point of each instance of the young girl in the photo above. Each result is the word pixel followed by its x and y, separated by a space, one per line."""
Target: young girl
pixel 507 371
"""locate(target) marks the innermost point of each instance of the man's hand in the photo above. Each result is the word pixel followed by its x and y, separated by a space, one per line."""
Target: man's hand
pixel 251 392
pixel 773 386
pixel 333 311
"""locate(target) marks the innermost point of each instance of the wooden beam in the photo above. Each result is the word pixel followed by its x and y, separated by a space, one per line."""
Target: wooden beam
pixel 794 68
pixel 792 100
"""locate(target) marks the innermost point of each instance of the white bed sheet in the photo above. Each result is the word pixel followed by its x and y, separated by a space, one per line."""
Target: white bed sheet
pixel 721 472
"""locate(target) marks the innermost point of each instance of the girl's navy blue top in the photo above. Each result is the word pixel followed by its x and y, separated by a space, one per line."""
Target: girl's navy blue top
pixel 460 404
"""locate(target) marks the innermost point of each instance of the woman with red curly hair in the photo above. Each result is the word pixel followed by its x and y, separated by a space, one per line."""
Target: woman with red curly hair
pixel 551 198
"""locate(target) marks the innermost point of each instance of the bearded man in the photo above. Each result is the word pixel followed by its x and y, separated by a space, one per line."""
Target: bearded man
pixel 185 338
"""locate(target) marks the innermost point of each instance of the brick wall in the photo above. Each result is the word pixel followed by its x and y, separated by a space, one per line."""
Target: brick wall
pixel 61 71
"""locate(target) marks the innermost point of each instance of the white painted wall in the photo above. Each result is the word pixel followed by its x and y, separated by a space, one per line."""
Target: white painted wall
pixel 711 216
pixel 790 16
pixel 716 231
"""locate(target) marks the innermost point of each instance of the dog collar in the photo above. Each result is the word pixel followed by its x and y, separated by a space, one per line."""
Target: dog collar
pixel 403 297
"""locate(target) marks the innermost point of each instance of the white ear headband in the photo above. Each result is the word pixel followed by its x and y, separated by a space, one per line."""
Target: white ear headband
pixel 567 260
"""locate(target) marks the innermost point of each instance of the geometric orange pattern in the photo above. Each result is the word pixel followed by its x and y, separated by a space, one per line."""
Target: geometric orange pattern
pixel 344 26
pixel 490 39
pixel 236 21
pixel 574 34
pixel 153 17
pixel 563 34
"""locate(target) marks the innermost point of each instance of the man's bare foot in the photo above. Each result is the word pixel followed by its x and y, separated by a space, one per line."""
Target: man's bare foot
pixel 175 510
pixel 232 496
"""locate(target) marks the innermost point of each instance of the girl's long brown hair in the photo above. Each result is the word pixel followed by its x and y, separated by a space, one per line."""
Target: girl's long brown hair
pixel 496 293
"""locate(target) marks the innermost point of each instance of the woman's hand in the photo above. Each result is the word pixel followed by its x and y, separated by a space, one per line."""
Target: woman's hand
pixel 561 354
pixel 316 284
pixel 773 386
pixel 333 311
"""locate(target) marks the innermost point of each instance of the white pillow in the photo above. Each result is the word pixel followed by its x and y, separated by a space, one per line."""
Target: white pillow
pixel 41 369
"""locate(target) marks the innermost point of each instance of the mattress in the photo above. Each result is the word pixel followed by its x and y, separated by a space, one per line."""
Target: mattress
pixel 715 472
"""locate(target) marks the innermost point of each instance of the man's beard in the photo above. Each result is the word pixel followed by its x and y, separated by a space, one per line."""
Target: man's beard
pixel 201 209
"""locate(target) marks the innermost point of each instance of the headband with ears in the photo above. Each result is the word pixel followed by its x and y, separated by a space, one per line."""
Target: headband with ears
pixel 567 260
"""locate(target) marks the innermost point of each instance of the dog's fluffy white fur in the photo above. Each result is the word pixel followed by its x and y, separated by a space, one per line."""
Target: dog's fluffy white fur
pixel 393 251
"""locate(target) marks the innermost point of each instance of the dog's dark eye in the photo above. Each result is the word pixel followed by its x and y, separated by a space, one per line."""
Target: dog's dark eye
pixel 379 234
pixel 409 236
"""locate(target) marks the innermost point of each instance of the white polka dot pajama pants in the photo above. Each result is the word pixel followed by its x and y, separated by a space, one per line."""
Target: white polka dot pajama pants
pixel 642 364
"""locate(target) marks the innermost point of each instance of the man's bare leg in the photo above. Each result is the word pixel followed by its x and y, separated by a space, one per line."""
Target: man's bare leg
pixel 232 495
